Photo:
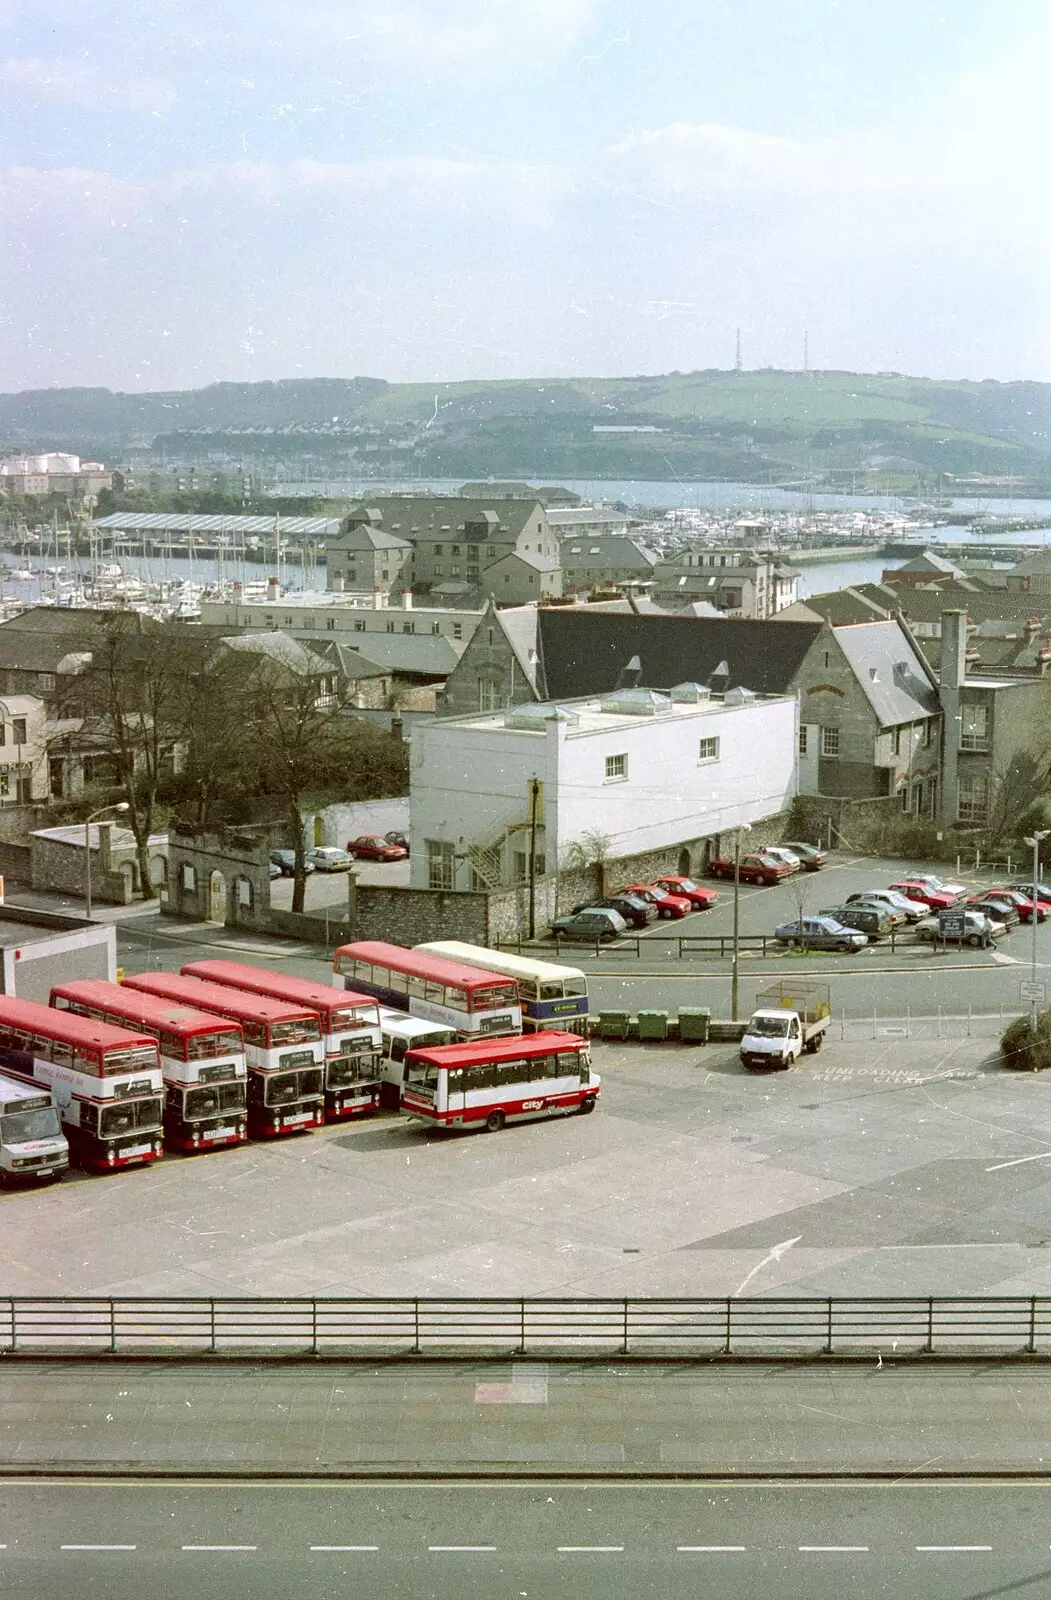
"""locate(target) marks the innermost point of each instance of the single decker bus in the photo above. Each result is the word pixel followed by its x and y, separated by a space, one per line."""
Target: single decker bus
pixel 486 1083
pixel 473 1001
pixel 350 1029
pixel 552 994
pixel 106 1081
pixel 33 1148
pixel 283 1049
pixel 202 1059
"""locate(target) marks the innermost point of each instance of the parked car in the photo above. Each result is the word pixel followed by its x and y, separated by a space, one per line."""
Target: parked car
pixel 996 906
pixel 285 862
pixel 373 847
pixel 898 904
pixel 978 930
pixel 700 898
pixel 809 854
pixel 330 858
pixel 275 870
pixel 754 868
pixel 668 905
pixel 1043 891
pixel 920 891
pixel 1022 903
pixel 938 884
pixel 820 933
pixel 781 852
pixel 875 922
pixel 597 923
pixel 396 837
pixel 637 913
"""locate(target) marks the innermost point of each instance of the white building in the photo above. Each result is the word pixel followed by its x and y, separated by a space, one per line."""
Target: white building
pixel 647 772
pixel 54 472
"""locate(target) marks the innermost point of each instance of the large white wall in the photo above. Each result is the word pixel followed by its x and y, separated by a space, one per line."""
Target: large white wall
pixel 469 779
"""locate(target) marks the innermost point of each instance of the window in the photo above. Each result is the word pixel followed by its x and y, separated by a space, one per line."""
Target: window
pixel 830 742
pixel 189 876
pixel 974 727
pixel 408 627
pixel 359 625
pixel 330 624
pixel 488 695
pixel 928 732
pixel 454 549
pixel 19 726
pixel 441 864
pixel 439 570
pixel 457 630
pixel 439 550
pixel 390 627
pixel 895 742
pixel 5 785
pixel 436 627
pixel 803 731
pixel 616 768
pixel 491 551
pixel 974 798
pixel 473 573
pixel 454 570
pixel 708 749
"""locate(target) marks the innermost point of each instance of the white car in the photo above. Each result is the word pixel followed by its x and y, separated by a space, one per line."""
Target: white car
pixel 329 858
pixel 781 852
pixel 898 904
pixel 929 881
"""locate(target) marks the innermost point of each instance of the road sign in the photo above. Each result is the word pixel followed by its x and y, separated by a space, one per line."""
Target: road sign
pixel 951 924
pixel 1032 991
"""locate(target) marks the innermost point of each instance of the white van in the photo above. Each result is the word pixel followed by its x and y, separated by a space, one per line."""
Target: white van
pixel 33 1147
pixel 398 1033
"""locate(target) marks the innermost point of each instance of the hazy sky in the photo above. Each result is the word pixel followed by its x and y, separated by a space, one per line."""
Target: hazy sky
pixel 434 189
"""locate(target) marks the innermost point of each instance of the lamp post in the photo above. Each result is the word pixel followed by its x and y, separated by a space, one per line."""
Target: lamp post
pixel 1035 839
pixel 121 805
pixel 744 827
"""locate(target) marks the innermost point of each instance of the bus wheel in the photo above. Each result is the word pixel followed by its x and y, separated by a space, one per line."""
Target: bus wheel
pixel 494 1121
pixel 587 1104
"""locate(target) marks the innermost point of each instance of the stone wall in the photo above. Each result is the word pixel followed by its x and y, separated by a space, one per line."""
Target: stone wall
pixel 223 877
pixel 415 916
pixel 57 866
pixel 16 862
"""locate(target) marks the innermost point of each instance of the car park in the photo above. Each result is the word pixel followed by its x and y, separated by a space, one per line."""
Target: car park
pixel 598 924
pixel 875 922
pixel 919 890
pixel 939 885
pixel 810 855
pixel 285 862
pixel 901 908
pixel 753 868
pixel 330 858
pixel 373 847
pixel 781 852
pixel 977 929
pixel 820 933
pixel 637 913
pixel 700 898
pixel 668 905
pixel 997 907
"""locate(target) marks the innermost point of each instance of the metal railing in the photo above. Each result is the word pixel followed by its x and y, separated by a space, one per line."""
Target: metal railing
pixel 774 1326
pixel 643 944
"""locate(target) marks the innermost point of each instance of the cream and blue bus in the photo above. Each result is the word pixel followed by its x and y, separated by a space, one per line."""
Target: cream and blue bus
pixel 552 995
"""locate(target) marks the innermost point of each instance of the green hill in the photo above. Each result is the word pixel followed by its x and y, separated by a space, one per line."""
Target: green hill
pixel 753 425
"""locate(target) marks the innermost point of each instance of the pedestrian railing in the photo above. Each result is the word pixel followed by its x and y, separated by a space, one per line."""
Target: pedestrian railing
pixel 903 1327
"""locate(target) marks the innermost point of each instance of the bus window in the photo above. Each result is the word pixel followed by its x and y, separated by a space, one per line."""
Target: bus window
pixel 417 988
pixel 421 1077
pixel 435 992
pixel 83 1062
pixel 570 1064
pixel 61 1054
pixel 255 1034
pixel 576 986
pixel 548 991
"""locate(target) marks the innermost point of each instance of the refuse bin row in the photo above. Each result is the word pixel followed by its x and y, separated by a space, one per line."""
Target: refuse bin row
pixel 692 1025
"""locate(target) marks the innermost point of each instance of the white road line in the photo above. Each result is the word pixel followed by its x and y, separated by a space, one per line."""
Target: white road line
pixel 92 1547
pixel 834 1549
pixel 709 1549
pixel 952 1549
pixel 342 1547
pixel 590 1549
pixel 457 1549
pixel 1041 1155
pixel 220 1547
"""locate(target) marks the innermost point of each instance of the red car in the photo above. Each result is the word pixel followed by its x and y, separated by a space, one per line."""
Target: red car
pixel 937 899
pixel 1023 903
pixel 373 847
pixel 668 905
pixel 755 868
pixel 700 899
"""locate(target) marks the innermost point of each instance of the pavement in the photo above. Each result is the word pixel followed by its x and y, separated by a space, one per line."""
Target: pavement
pixel 500 1418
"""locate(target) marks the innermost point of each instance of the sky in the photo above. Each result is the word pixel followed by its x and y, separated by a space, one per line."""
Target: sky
pixel 198 190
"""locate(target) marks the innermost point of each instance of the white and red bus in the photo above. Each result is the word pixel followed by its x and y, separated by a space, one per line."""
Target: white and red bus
pixel 283 1049
pixel 202 1059
pixel 475 1002
pixel 106 1081
pixel 485 1083
pixel 350 1028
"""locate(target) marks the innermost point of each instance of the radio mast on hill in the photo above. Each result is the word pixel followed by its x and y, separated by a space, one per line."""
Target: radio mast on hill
pixel 737 358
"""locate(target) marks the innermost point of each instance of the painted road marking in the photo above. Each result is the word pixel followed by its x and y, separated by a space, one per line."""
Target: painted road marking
pixel 456 1549
pixel 834 1549
pixel 952 1549
pixel 710 1549
pixel 343 1547
pixel 590 1549
pixel 1041 1155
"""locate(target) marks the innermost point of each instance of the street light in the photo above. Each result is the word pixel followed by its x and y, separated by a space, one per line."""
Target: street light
pixel 744 827
pixel 121 805
pixel 1034 839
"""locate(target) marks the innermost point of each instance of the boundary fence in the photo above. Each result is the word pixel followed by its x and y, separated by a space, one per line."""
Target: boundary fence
pixel 780 1327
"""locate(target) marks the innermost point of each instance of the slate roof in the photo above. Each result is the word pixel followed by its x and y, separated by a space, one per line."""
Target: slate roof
pixel 1035 561
pixel 362 536
pixel 582 650
pixel 839 607
pixel 583 551
pixel 415 516
pixel 927 605
pixel 929 561
pixel 893 675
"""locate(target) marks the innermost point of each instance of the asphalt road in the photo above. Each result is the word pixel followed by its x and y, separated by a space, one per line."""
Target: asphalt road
pixel 468 1542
